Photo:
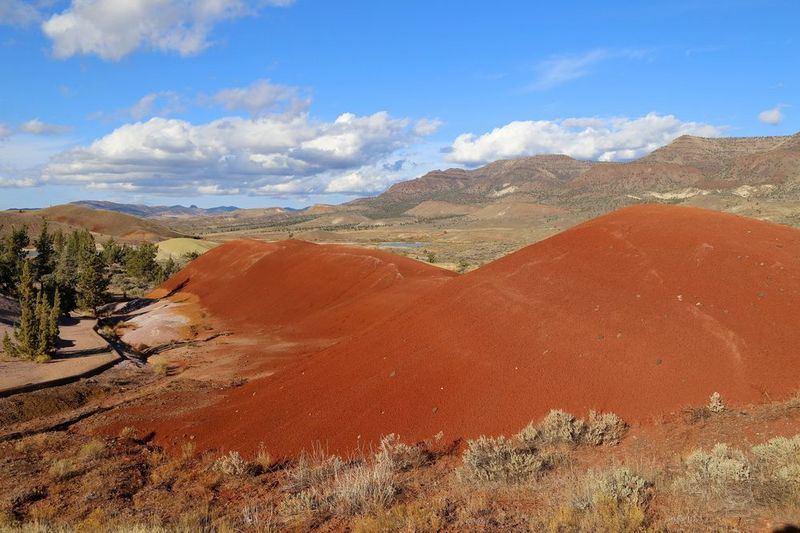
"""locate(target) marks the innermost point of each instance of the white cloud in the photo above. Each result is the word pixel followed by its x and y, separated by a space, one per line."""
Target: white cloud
pixel 277 154
pixel 772 116
pixel 17 183
pixel 426 126
pixel 112 29
pixel 162 104
pixel 561 69
pixel 5 131
pixel 360 181
pixel 558 70
pixel 18 13
pixel 603 139
pixel 37 127
pixel 262 97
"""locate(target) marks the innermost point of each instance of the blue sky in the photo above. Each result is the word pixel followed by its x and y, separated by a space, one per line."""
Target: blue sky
pixel 281 102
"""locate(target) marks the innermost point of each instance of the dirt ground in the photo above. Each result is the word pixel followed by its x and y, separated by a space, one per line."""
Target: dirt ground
pixel 80 350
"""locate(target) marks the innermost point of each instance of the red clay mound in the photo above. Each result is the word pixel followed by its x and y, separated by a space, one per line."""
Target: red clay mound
pixel 640 312
pixel 303 289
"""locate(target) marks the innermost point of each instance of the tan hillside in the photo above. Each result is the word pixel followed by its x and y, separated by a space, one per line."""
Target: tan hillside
pixel 102 223
pixel 437 208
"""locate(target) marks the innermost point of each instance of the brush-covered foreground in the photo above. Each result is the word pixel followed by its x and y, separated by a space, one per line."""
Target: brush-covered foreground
pixel 558 474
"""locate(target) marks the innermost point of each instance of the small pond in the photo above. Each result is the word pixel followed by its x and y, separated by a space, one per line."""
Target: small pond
pixel 402 244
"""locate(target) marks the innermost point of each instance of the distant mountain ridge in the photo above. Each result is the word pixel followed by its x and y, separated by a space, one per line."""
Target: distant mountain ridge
pixel 724 163
pixel 157 211
pixel 725 173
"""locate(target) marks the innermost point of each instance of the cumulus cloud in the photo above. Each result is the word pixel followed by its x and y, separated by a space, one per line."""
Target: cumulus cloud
pixel 772 116
pixel 18 13
pixel 276 154
pixel 262 97
pixel 608 139
pixel 5 131
pixel 37 127
pixel 112 29
pixel 360 181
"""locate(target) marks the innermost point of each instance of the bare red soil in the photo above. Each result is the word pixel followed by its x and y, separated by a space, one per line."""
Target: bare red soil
pixel 303 289
pixel 641 312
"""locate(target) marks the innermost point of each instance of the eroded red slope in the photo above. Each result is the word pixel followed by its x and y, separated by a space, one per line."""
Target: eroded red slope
pixel 640 312
pixel 301 288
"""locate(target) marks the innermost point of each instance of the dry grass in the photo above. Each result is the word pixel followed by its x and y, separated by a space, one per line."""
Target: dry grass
pixel 498 484
pixel 398 456
pixel 63 469
pixel 92 450
pixel 312 471
pixel 231 464
pixel 128 433
pixel 366 487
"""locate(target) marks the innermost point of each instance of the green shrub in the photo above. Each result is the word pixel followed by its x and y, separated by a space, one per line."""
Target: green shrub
pixel 776 469
pixel 604 429
pixel 621 486
pixel 399 456
pixel 723 470
pixel 497 459
pixel 614 500
pixel 561 427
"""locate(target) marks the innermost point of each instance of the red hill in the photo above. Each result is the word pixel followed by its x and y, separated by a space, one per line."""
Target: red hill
pixel 303 288
pixel 644 311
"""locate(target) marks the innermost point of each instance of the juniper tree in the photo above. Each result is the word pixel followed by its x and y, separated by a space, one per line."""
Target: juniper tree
pixel 44 342
pixel 92 282
pixel 43 263
pixel 36 335
pixel 55 315
pixel 12 254
pixel 140 262
pixel 26 343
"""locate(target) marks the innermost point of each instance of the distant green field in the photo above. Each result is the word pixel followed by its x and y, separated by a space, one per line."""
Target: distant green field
pixel 175 248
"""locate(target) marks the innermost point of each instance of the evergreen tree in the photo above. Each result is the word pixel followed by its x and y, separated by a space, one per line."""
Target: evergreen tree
pixel 92 283
pixel 43 263
pixel 168 269
pixel 26 335
pixel 55 314
pixel 140 262
pixel 8 345
pixel 113 253
pixel 35 337
pixel 64 276
pixel 11 258
pixel 44 342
